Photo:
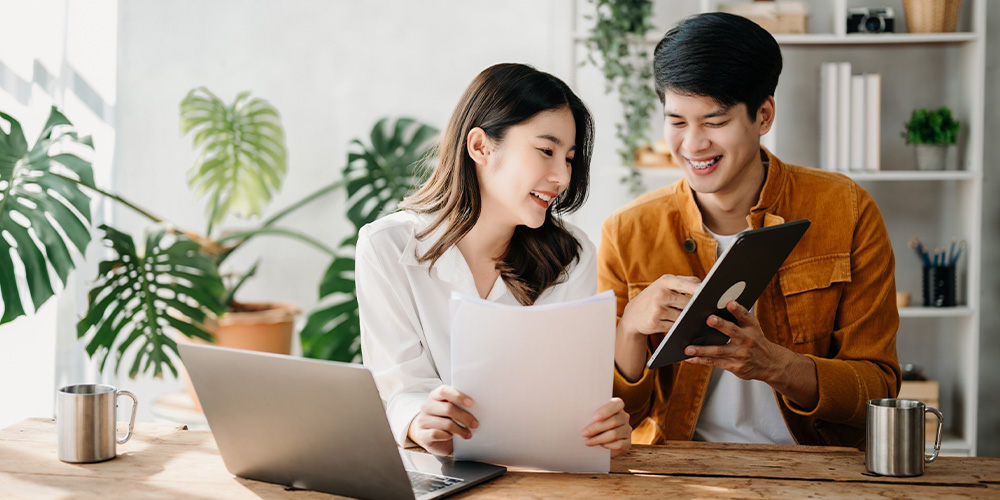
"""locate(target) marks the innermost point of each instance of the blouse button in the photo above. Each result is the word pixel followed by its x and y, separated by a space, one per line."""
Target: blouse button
pixel 690 245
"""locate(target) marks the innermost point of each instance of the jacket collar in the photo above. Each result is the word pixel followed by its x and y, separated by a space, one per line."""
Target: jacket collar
pixel 761 215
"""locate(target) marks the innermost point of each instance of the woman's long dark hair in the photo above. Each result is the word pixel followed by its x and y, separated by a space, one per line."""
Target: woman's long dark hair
pixel 500 97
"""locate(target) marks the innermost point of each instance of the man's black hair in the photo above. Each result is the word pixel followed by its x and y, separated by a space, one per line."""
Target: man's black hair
pixel 725 57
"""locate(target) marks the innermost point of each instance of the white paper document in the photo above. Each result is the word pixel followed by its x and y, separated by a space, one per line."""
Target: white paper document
pixel 537 374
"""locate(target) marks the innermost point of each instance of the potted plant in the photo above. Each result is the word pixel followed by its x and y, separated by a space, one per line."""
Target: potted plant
pixel 619 38
pixel 931 132
pixel 170 279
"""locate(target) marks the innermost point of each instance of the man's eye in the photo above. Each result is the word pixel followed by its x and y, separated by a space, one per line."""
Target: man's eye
pixel 677 124
pixel 717 125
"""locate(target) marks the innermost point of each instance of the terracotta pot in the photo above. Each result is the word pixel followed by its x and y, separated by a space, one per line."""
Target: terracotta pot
pixel 266 327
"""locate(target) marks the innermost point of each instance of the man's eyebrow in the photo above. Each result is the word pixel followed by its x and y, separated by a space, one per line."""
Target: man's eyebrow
pixel 714 114
pixel 555 140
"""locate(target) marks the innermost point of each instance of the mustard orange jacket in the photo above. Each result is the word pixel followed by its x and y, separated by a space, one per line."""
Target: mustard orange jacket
pixel 833 300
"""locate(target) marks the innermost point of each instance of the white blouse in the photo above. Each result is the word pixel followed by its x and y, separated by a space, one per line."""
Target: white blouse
pixel 404 308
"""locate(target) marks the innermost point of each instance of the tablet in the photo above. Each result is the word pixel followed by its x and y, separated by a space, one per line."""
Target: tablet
pixel 741 273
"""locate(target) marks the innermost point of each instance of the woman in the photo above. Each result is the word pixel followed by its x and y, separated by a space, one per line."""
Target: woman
pixel 516 150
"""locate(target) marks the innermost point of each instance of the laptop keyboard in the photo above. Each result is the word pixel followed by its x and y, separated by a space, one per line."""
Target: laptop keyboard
pixel 426 483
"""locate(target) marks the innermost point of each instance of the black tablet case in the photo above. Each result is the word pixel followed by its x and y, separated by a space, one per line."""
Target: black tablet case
pixel 754 258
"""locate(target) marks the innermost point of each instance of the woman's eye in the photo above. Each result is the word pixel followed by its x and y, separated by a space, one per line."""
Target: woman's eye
pixel 677 124
pixel 547 152
pixel 569 161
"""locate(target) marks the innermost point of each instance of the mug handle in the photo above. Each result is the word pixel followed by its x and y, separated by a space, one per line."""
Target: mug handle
pixel 937 439
pixel 135 404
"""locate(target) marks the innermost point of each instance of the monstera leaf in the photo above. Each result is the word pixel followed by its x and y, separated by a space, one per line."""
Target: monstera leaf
pixel 44 211
pixel 242 158
pixel 379 176
pixel 141 292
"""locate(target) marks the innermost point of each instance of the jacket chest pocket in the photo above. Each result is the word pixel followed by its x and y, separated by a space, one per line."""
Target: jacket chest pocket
pixel 812 290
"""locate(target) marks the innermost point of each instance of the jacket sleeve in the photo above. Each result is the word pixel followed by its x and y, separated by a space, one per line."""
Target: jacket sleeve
pixel 611 276
pixel 392 342
pixel 865 365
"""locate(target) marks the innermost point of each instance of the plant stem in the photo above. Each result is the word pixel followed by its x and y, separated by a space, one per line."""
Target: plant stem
pixel 245 235
pixel 115 197
pixel 308 199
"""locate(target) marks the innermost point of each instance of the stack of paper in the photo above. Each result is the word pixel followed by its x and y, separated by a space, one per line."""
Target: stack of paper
pixel 537 375
pixel 850 119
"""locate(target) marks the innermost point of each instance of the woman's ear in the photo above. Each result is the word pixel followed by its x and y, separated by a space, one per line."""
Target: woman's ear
pixel 479 145
pixel 766 115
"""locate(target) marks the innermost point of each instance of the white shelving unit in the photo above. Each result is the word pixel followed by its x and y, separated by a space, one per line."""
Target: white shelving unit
pixel 918 70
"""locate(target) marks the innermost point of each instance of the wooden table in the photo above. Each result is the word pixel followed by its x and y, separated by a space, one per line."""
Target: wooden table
pixel 163 461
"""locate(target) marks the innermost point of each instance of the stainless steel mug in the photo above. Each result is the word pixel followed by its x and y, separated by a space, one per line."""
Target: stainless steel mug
pixel 86 421
pixel 896 437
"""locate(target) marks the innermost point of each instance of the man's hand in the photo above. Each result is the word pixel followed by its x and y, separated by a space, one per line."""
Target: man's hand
pixel 750 356
pixel 610 428
pixel 653 311
pixel 442 417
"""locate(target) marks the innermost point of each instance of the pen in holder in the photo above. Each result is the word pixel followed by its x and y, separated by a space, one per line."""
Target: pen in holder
pixel 939 272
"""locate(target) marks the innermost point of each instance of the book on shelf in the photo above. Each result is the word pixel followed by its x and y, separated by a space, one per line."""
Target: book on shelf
pixel 844 116
pixel 849 119
pixel 873 122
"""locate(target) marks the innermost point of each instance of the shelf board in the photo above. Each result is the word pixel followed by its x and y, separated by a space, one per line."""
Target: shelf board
pixel 847 39
pixel 881 39
pixel 913 175
pixel 672 174
pixel 935 312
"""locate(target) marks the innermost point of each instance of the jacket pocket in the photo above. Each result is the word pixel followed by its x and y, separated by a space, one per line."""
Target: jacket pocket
pixel 812 289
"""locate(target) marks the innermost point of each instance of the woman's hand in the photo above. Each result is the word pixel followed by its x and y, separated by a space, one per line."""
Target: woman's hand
pixel 442 417
pixel 610 428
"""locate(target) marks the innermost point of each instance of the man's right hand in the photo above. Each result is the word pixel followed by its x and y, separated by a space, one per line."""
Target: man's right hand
pixel 440 418
pixel 654 310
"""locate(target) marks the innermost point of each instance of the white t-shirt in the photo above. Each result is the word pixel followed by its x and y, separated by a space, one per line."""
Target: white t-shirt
pixel 404 308
pixel 737 410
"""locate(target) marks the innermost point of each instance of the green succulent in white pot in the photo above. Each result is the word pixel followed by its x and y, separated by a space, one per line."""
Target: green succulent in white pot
pixel 932 133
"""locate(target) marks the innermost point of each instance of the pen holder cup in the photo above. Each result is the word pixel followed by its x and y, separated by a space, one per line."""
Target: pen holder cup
pixel 939 286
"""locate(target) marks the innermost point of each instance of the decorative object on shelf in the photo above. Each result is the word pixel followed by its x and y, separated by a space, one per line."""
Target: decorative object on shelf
pixel 932 132
pixel 781 17
pixel 170 279
pixel 657 155
pixel 931 16
pixel 378 176
pixel 939 269
pixel 903 299
pixel 619 38
pixel 871 20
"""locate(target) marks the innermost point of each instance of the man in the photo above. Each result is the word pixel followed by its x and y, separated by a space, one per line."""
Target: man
pixel 821 339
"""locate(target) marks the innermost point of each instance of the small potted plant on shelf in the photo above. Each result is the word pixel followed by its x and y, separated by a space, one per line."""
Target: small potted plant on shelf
pixel 931 132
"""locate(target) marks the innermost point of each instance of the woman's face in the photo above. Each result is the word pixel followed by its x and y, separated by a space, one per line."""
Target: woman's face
pixel 523 175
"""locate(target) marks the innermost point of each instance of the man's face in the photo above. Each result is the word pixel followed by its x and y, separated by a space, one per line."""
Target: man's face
pixel 716 147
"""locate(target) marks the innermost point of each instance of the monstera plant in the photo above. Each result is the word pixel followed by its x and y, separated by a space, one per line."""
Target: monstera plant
pixel 170 278
pixel 44 211
pixel 378 176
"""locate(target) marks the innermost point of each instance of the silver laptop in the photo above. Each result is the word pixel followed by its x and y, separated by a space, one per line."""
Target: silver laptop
pixel 316 425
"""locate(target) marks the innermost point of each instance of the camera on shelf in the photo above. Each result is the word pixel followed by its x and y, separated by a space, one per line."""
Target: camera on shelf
pixel 870 20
